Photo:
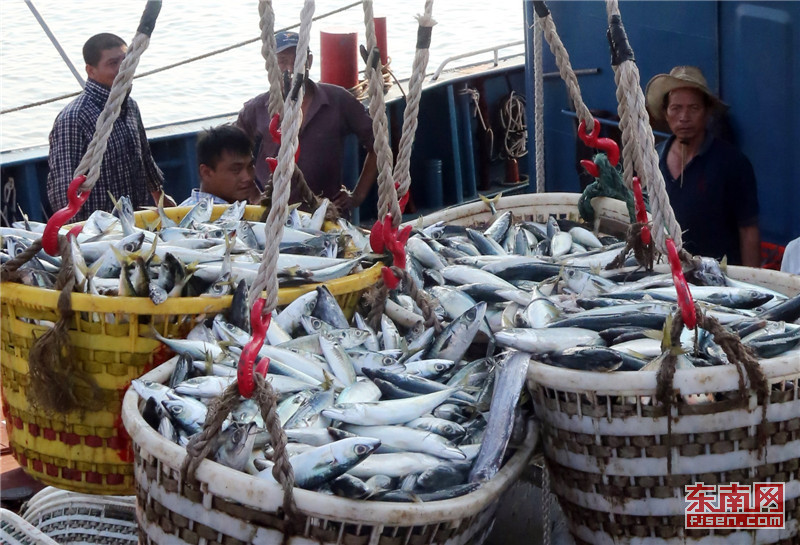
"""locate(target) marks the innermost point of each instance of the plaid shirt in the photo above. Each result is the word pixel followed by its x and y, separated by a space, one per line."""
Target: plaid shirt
pixel 128 168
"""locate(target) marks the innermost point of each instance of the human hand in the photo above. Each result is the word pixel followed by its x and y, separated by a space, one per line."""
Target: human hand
pixel 345 200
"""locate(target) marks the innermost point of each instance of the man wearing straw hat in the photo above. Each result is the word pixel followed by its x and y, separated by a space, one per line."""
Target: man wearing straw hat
pixel 711 184
pixel 330 114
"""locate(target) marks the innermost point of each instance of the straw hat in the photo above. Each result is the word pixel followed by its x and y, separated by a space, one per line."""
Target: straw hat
pixel 679 77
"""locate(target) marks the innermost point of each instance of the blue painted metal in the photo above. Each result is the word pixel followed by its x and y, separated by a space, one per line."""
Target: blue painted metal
pixel 458 181
pixel 748 53
pixel 466 137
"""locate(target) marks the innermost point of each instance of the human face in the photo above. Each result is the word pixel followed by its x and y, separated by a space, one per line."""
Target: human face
pixel 286 59
pixel 232 179
pixel 108 65
pixel 687 114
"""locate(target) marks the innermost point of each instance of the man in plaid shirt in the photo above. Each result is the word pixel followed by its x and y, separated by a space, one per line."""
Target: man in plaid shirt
pixel 128 167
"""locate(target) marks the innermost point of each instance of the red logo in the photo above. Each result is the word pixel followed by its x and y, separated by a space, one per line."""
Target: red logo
pixel 735 506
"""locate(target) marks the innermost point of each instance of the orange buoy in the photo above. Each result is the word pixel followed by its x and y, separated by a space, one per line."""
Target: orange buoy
pixel 339 57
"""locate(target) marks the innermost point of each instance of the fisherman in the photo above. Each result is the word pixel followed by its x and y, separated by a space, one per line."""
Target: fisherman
pixel 128 167
pixel 330 114
pixel 711 184
pixel 225 166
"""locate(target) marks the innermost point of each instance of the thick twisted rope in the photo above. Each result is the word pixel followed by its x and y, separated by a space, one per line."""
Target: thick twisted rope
pixel 566 71
pixel 637 134
pixel 402 166
pixel 268 51
pixel 547 504
pixel 93 158
pixel 538 112
pixel 387 195
pixel 267 276
pixel 738 355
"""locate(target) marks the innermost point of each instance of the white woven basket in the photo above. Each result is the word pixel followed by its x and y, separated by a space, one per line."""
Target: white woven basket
pixel 607 451
pixel 535 207
pixel 232 507
pixel 14 530
pixel 72 517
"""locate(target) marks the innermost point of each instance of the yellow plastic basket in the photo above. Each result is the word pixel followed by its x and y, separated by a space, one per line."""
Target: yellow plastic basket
pixel 88 451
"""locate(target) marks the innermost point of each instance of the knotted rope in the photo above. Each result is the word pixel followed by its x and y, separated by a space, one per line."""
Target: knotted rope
pixel 738 355
pixel 538 111
pixel 376 300
pixel 639 151
pixel 547 504
pixel 402 167
pixel 93 158
pixel 387 194
pixel 202 444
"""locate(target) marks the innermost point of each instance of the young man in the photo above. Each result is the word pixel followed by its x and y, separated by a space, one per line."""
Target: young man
pixel 128 168
pixel 330 113
pixel 225 165
pixel 711 184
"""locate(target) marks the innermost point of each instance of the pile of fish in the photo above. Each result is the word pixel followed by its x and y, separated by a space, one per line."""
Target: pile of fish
pixel 547 293
pixel 402 414
pixel 194 257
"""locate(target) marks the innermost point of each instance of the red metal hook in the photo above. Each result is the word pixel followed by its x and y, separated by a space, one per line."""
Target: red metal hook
pixel 384 237
pixel 685 301
pixel 591 168
pixel 244 373
pixel 604 144
pixel 641 211
pixel 57 220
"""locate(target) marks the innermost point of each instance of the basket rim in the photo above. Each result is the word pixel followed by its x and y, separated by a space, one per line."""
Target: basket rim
pixel 20 524
pixel 20 295
pixel 459 211
pixel 263 495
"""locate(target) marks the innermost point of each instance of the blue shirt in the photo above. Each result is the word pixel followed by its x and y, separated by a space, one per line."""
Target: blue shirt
pixel 198 196
pixel 128 168
pixel 716 197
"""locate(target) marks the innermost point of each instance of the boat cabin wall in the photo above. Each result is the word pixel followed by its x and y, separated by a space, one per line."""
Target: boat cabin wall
pixel 748 52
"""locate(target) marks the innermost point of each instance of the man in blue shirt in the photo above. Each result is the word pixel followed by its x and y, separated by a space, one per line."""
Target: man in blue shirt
pixel 225 166
pixel 711 184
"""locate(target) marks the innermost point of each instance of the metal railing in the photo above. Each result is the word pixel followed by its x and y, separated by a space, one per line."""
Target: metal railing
pixel 494 49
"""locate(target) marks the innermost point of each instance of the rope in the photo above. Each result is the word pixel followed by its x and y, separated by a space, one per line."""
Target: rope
pixel 738 354
pixel 547 503
pixel 268 51
pixel 402 167
pixel 639 151
pixel 387 195
pixel 309 200
pixel 361 89
pixel 538 105
pixel 56 383
pixel 566 71
pixel 512 118
pixel 475 96
pixel 292 118
pixel 93 158
pixel 645 255
pixel 376 298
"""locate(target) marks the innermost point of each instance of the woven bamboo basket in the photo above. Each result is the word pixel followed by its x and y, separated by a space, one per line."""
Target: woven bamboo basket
pixel 612 214
pixel 225 506
pixel 607 451
pixel 89 451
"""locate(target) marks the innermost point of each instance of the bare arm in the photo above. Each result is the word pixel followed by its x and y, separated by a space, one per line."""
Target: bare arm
pixel 369 173
pixel 750 245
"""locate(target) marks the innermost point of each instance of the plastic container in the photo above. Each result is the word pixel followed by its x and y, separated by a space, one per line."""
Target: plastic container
pixel 228 506
pixel 89 451
pixel 607 450
pixel 14 530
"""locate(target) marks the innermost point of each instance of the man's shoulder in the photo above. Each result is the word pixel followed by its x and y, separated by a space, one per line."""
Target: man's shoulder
pixel 727 152
pixel 337 93
pixel 257 101
pixel 79 110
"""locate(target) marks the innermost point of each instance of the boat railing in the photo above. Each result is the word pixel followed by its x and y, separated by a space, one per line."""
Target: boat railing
pixel 494 49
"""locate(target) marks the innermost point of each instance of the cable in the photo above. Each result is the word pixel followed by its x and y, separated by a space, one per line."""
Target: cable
pixel 512 118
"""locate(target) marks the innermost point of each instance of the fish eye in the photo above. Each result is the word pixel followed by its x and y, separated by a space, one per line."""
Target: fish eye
pixel 388 360
pixel 361 449
pixel 471 314
pixel 440 367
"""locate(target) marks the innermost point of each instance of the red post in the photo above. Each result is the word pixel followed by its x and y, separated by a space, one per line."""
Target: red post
pixel 380 35
pixel 339 57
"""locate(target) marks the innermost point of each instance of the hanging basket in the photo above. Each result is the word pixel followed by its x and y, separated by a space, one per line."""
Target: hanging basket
pixel 228 506
pixel 89 451
pixel 608 451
